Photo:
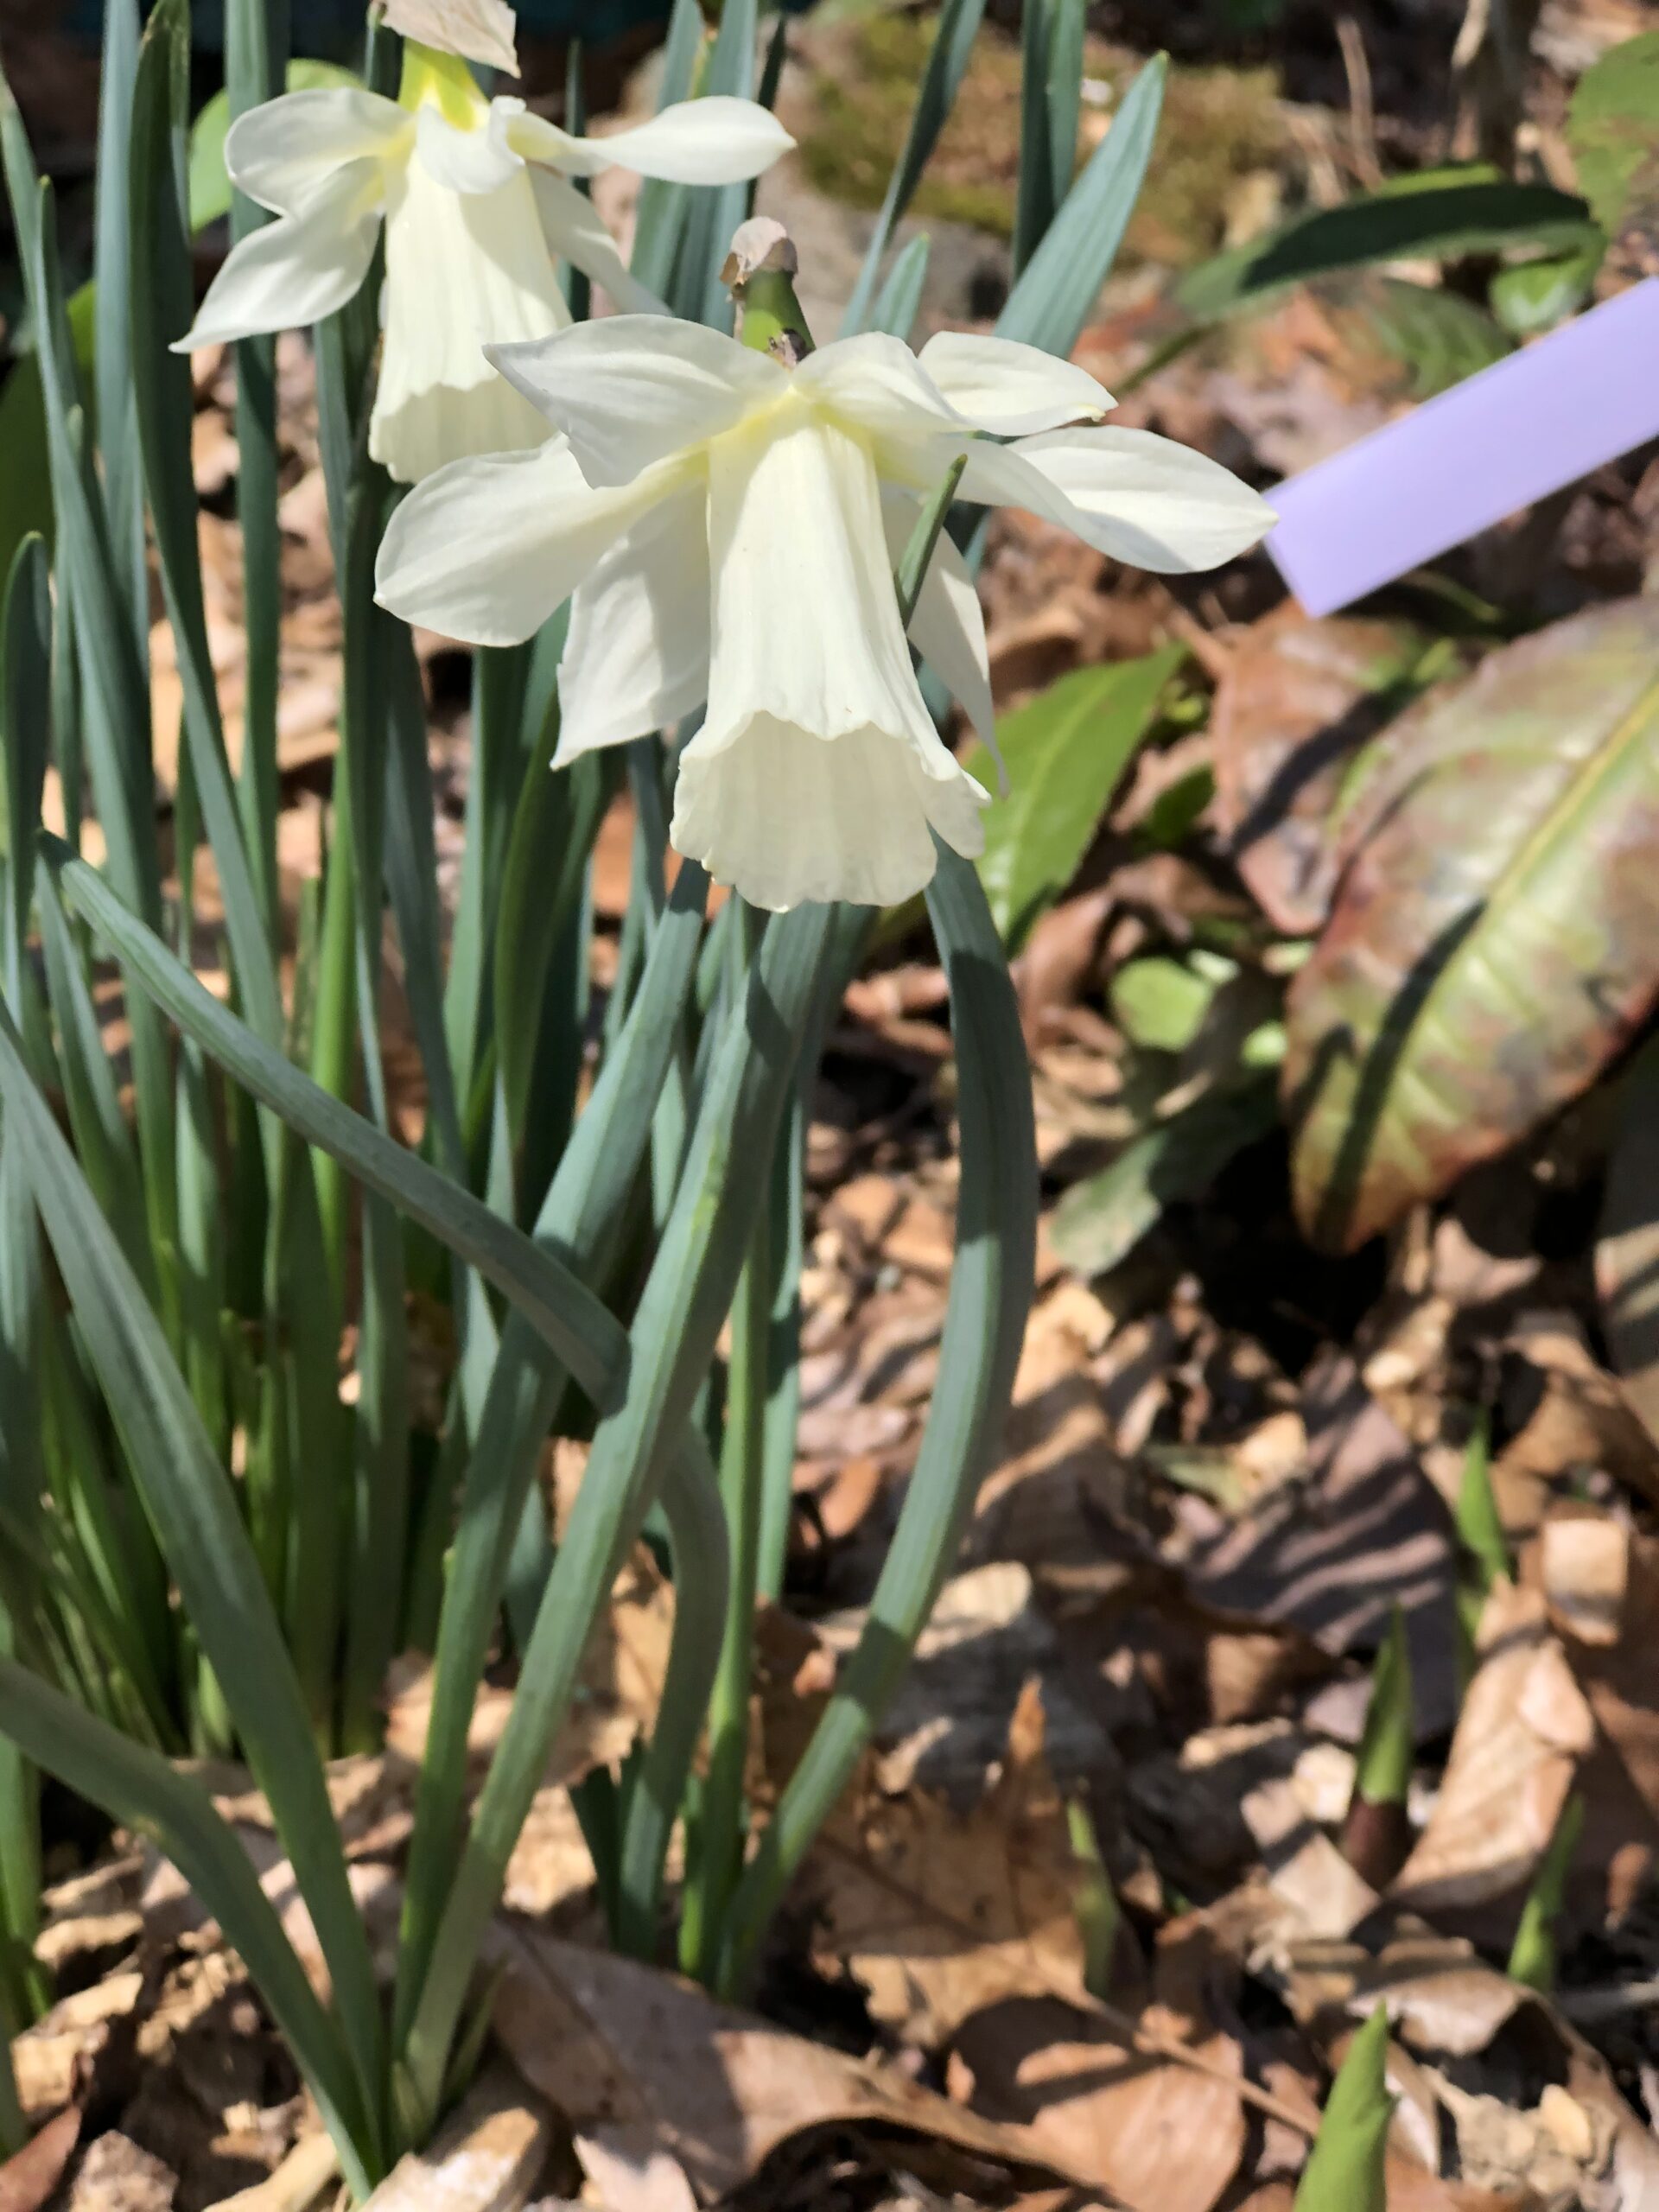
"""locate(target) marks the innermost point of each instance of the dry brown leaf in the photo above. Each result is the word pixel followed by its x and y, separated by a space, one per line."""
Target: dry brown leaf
pixel 1061 1475
pixel 117 2174
pixel 632 2172
pixel 1574 1414
pixel 621 1688
pixel 1164 2137
pixel 1600 1580
pixel 607 2039
pixel 938 1914
pixel 50 2058
pixel 1334 1554
pixel 485 2158
pixel 1297 700
pixel 950 1725
pixel 1304 1866
pixel 1523 1729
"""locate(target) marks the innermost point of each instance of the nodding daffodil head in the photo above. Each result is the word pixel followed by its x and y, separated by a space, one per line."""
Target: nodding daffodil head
pixel 725 520
pixel 477 209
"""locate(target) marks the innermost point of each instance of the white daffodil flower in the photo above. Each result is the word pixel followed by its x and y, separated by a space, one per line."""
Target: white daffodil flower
pixel 477 206
pixel 725 526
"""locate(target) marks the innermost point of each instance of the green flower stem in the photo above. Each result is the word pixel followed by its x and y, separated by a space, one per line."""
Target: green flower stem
pixel 990 1293
pixel 697 1540
pixel 685 1299
pixel 256 45
pixel 579 1215
pixel 719 1851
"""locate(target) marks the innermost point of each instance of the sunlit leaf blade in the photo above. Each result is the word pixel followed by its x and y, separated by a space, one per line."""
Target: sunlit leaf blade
pixel 192 1506
pixel 160 311
pixel 1346 2172
pixel 114 278
pixel 1532 1957
pixel 566 1316
pixel 1066 752
pixel 898 302
pixel 25 706
pixel 660 217
pixel 1387 1746
pixel 139 1789
pixel 1435 214
pixel 103 1140
pixel 1492 945
pixel 716 210
pixel 947 64
pixel 1057 289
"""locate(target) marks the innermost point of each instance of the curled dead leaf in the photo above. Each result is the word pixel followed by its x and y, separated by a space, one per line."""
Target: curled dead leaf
pixel 1524 1726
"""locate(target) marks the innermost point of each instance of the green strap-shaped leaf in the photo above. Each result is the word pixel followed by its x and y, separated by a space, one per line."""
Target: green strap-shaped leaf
pixel 1057 289
pixel 190 1501
pixel 113 276
pixel 1066 751
pixel 25 709
pixel 1346 2172
pixel 1436 214
pixel 160 311
pixel 142 1790
pixel 947 65
pixel 678 1318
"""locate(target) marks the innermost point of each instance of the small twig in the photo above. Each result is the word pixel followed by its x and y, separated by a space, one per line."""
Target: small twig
pixel 301 2178
pixel 1362 111
pixel 1590 2005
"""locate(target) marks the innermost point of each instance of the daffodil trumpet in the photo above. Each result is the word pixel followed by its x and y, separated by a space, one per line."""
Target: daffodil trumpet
pixel 723 515
pixel 475 198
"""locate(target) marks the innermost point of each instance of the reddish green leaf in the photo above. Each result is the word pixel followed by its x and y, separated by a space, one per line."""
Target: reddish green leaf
pixel 1496 936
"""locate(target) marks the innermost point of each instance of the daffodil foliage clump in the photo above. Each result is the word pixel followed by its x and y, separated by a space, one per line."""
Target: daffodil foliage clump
pixel 698 554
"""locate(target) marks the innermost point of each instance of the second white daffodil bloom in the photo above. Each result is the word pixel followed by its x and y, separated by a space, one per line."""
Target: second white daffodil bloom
pixel 478 209
pixel 726 525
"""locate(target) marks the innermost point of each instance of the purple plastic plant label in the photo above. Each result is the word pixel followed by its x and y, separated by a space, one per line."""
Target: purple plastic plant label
pixel 1520 429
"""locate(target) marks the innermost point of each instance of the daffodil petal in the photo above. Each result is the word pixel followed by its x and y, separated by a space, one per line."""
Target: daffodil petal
pixel 279 153
pixel 818 772
pixel 874 383
pixel 1011 389
pixel 630 389
pixel 488 549
pixel 1141 499
pixel 467 161
pixel 787 819
pixel 298 269
pixel 636 659
pixel 716 140
pixel 574 232
pixel 948 625
pixel 460 268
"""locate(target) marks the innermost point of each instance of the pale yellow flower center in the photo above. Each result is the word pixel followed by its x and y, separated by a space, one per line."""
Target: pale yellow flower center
pixel 444 81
